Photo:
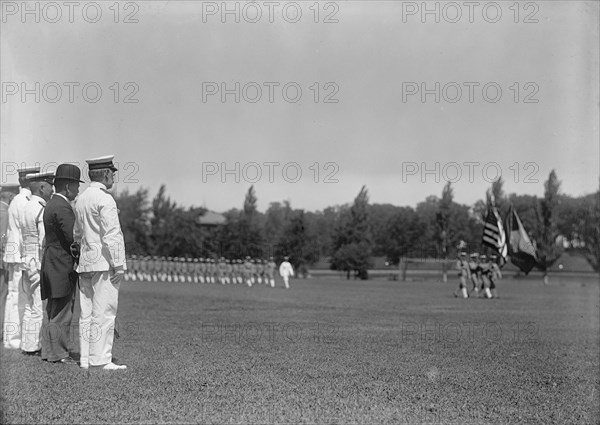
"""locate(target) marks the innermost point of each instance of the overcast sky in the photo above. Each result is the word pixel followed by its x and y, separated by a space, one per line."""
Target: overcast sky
pixel 371 66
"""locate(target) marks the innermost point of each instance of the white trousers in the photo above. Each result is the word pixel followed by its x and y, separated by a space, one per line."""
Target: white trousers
pixel 286 280
pixel 98 298
pixel 15 307
pixel 31 323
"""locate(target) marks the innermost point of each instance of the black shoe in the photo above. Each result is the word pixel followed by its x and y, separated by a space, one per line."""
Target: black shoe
pixel 36 353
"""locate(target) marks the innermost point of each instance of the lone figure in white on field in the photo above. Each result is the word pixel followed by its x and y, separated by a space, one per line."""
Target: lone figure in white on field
pixel 286 270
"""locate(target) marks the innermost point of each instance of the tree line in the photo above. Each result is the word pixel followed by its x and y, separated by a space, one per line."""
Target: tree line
pixel 350 235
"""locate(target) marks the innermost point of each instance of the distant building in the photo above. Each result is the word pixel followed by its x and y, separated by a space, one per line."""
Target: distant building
pixel 211 218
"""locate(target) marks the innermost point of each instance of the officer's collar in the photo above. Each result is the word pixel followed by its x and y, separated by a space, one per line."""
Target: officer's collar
pixel 39 199
pixel 98 185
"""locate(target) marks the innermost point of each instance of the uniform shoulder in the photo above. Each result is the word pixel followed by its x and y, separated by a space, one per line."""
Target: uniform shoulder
pixel 97 193
pixel 106 195
pixel 94 189
pixel 17 202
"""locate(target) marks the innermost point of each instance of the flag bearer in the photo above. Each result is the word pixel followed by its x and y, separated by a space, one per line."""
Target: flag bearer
pixel 464 275
pixel 474 273
pixel 486 272
pixel 495 274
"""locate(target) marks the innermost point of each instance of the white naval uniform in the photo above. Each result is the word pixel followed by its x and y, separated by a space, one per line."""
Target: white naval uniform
pixel 33 233
pixel 286 270
pixel 98 231
pixel 15 306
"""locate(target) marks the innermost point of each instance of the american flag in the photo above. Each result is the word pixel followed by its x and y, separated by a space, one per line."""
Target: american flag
pixel 494 235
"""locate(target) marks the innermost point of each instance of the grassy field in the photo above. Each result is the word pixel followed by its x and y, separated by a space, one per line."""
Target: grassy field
pixel 330 351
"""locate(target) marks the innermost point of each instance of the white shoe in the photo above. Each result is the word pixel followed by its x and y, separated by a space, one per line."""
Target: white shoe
pixel 112 366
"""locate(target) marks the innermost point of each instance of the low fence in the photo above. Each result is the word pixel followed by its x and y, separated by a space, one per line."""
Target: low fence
pixel 433 269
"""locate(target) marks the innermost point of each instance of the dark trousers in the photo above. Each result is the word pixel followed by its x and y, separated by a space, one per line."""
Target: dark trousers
pixel 56 328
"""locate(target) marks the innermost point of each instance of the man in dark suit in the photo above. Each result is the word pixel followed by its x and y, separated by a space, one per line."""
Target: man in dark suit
pixel 58 278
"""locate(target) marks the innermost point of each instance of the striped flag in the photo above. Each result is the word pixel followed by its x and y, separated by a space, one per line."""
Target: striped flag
pixel 521 249
pixel 494 235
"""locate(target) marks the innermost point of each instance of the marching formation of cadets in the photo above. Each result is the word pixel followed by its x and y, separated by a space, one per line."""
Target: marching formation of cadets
pixel 202 270
pixel 481 273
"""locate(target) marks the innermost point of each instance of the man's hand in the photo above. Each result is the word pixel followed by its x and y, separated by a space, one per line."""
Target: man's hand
pixel 75 249
pixel 118 273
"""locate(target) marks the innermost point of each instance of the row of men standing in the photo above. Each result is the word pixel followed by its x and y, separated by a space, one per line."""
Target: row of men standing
pixel 62 255
pixel 207 270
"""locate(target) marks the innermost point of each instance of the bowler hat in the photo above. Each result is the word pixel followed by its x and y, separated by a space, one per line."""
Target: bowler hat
pixel 68 172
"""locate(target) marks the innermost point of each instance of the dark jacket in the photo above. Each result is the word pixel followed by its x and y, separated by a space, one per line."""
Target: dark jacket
pixel 58 279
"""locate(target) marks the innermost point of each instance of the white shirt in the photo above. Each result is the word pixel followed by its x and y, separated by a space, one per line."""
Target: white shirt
pixel 98 230
pixel 14 239
pixel 286 269
pixel 33 230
